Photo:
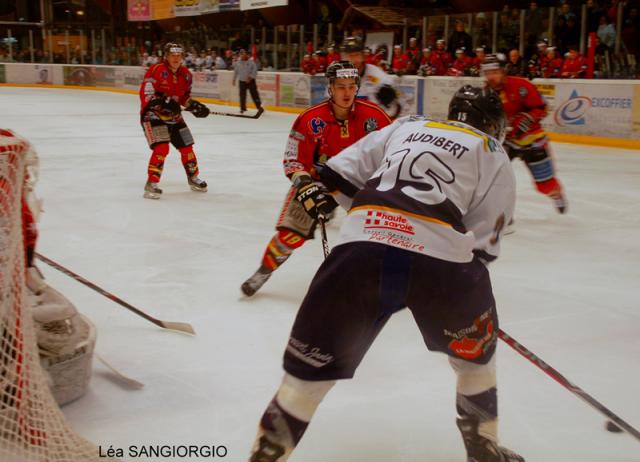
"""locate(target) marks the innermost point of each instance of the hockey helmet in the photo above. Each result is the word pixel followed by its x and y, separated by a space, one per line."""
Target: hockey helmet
pixel 479 107
pixel 352 45
pixel 173 48
pixel 342 70
pixel 493 61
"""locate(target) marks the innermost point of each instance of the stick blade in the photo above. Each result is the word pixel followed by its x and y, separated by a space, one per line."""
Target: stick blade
pixel 259 113
pixel 183 327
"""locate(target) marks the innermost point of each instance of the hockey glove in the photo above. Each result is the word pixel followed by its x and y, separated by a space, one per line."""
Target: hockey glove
pixel 386 95
pixel 165 107
pixel 198 109
pixel 521 124
pixel 314 201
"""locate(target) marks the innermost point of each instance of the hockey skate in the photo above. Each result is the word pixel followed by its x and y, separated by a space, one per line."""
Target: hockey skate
pixel 559 201
pixel 267 451
pixel 253 284
pixel 481 449
pixel 152 191
pixel 197 184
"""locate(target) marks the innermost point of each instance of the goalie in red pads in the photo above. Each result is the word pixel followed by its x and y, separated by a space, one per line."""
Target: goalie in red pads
pixel 165 88
pixel 318 134
pixel 525 108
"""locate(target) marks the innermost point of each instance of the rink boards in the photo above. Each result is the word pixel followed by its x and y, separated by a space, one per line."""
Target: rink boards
pixel 603 112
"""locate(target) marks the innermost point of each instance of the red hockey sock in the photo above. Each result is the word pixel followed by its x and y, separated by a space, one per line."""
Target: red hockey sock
pixel 280 248
pixel 156 162
pixel 189 160
pixel 549 187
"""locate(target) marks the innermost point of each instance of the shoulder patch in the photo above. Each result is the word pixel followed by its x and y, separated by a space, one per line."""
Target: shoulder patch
pixel 370 125
pixel 317 125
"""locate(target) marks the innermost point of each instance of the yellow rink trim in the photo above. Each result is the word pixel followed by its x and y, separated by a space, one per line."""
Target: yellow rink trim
pixel 557 137
pixel 595 140
pixel 292 110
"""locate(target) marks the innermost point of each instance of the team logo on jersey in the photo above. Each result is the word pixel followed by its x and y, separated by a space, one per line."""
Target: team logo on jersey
pixel 317 126
pixel 573 110
pixel 523 92
pixel 164 74
pixel 370 125
pixel 473 341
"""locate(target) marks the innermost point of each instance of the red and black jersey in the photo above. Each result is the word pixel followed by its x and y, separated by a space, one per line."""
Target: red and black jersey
pixel 317 135
pixel 574 68
pixel 160 81
pixel 520 96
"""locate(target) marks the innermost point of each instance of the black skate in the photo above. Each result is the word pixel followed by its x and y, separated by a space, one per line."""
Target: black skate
pixel 481 449
pixel 197 184
pixel 152 191
pixel 267 452
pixel 253 284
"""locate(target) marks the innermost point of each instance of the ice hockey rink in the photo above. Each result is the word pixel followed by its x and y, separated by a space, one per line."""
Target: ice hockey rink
pixel 566 287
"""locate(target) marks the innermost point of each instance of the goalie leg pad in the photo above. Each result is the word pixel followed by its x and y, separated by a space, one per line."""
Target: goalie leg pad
pixel 294 218
pixel 156 162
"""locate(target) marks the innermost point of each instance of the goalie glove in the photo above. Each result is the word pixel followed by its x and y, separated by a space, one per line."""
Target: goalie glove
pixel 198 109
pixel 521 124
pixel 313 199
pixel 386 95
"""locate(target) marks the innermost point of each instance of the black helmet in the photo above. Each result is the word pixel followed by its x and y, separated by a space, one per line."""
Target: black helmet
pixel 352 45
pixel 342 70
pixel 479 107
pixel 493 61
pixel 173 47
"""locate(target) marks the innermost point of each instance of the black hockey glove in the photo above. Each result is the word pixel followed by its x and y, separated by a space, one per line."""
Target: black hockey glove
pixel 164 106
pixel 386 95
pixel 313 199
pixel 198 109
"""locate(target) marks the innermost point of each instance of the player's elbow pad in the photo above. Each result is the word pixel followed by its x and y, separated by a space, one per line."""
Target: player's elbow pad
pixel 386 95
pixel 334 181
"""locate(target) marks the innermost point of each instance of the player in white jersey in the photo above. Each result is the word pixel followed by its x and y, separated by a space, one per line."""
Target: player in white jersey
pixel 375 84
pixel 428 202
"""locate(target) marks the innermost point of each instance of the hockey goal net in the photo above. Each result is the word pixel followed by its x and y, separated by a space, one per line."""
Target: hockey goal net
pixel 32 427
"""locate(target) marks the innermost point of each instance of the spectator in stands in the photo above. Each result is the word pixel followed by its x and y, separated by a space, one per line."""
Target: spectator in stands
pixel 441 59
pixel 560 32
pixel 515 64
pixel 460 65
pixel 606 32
pixel 476 62
pixel 400 61
pixel 308 65
pixel 536 60
pixel 426 69
pixel 459 38
pixel 219 63
pixel 332 55
pixel 566 12
pixel 574 66
pixel 318 62
pixel 631 30
pixel 552 64
pixel 534 19
pixel 573 32
pixel 594 12
pixel 507 34
pixel 481 32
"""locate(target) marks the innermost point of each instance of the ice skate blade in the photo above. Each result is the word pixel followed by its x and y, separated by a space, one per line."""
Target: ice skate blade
pixel 198 188
pixel 150 195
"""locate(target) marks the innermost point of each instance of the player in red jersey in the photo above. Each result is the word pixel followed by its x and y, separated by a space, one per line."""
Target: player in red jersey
pixel 165 88
pixel 318 134
pixel 525 108
pixel 574 66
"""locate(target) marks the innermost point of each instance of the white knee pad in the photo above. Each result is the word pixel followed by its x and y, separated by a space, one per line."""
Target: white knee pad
pixel 474 378
pixel 300 398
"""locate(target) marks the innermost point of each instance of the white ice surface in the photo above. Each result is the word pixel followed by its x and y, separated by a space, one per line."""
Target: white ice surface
pixel 566 287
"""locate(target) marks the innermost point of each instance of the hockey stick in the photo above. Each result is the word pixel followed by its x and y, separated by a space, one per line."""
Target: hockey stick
pixel 555 375
pixel 231 114
pixel 177 326
pixel 323 231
